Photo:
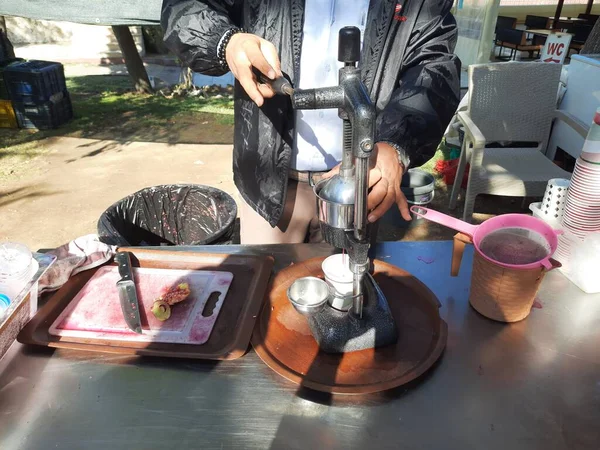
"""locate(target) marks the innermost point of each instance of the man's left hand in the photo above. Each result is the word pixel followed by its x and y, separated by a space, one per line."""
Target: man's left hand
pixel 384 183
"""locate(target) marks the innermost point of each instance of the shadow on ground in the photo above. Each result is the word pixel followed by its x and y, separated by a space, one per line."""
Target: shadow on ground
pixel 11 196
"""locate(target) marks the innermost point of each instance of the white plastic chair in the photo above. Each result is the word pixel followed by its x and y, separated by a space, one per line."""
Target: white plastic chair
pixel 509 102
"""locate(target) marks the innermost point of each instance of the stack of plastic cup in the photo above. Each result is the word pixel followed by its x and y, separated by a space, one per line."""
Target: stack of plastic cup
pixel 16 266
pixel 582 210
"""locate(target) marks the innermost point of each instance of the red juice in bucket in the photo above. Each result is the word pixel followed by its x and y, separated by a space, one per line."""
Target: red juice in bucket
pixel 516 246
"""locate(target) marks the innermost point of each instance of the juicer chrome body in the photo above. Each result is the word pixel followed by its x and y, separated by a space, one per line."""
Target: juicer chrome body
pixel 342 206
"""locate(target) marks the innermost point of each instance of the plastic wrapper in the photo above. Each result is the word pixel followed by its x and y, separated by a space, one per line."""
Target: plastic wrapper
pixel 476 20
pixel 170 215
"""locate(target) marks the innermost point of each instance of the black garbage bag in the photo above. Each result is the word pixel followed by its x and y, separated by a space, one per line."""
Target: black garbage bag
pixel 170 215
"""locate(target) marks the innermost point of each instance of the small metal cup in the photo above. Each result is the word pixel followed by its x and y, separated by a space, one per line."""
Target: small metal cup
pixel 308 295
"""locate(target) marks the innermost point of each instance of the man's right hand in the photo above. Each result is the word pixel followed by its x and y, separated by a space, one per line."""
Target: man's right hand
pixel 245 51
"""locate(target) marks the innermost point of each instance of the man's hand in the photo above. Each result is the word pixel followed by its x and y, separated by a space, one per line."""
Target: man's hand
pixel 384 181
pixel 245 51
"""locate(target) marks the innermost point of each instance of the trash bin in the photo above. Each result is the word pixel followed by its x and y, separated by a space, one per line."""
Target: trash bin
pixel 170 215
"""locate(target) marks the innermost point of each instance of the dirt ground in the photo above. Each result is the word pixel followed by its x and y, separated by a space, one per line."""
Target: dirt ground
pixel 60 194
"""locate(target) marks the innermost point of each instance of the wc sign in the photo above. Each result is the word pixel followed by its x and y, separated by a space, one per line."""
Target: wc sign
pixel 556 49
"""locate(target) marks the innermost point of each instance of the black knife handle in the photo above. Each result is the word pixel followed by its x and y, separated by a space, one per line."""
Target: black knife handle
pixel 123 259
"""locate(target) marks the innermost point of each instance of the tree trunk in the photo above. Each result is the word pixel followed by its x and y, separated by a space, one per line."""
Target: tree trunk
pixel 187 77
pixel 8 50
pixel 133 61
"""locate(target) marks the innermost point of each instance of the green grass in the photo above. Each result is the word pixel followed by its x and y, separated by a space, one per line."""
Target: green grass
pixel 96 100
pixel 105 107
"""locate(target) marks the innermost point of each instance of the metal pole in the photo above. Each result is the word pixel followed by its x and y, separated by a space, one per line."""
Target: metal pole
pixel 588 8
pixel 557 14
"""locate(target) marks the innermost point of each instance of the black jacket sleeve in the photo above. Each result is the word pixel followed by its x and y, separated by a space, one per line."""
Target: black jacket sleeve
pixel 428 91
pixel 193 29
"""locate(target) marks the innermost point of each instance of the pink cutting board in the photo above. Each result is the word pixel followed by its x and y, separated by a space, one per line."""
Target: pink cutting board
pixel 95 312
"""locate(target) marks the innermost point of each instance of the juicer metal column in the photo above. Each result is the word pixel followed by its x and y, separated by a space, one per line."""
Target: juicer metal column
pixel 358 113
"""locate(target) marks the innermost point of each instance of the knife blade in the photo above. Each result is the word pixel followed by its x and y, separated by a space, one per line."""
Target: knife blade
pixel 128 293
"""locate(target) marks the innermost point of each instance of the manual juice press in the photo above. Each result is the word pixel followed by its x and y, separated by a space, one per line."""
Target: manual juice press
pixel 366 321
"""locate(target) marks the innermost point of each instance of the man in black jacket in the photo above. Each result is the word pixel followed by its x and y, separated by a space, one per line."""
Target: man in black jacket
pixel 407 65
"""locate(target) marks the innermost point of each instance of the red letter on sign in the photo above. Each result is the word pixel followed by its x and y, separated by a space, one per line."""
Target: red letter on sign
pixel 560 49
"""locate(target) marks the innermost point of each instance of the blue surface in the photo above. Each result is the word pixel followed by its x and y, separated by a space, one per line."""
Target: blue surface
pixel 430 262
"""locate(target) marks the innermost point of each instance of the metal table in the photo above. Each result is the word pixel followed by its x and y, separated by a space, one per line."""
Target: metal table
pixel 529 385
pixel 548 32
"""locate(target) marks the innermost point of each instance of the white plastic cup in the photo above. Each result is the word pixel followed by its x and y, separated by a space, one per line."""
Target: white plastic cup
pixel 338 275
pixel 553 205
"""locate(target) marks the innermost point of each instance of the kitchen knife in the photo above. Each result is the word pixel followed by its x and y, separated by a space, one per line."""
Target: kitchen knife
pixel 128 293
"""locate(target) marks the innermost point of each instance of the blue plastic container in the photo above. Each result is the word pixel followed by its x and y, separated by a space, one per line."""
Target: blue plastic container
pixel 44 115
pixel 34 82
pixel 4 95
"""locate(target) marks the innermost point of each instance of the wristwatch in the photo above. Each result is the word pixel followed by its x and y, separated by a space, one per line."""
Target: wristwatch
pixel 222 45
pixel 402 156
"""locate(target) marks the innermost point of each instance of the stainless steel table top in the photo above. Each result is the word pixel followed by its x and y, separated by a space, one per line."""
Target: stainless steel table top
pixel 529 385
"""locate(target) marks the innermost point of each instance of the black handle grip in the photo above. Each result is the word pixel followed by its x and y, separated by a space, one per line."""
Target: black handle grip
pixel 123 259
pixel 280 85
pixel 349 45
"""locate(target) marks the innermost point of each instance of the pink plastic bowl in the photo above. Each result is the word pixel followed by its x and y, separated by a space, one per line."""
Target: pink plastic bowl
pixel 478 232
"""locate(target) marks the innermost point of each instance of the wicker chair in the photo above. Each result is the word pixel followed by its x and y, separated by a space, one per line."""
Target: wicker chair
pixel 508 103
pixel 592 45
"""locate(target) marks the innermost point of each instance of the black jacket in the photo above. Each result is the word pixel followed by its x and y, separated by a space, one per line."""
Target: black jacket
pixel 407 64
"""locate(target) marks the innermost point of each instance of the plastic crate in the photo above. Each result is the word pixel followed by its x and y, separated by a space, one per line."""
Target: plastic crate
pixel 33 82
pixel 45 115
pixel 7 115
pixel 4 95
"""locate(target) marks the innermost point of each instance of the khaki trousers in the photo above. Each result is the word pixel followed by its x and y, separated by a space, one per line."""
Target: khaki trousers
pixel 299 222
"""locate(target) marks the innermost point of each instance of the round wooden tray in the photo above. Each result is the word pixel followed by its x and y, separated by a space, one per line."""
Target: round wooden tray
pixel 284 342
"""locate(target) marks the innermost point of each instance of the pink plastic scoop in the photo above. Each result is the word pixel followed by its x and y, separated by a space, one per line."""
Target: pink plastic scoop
pixel 509 234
